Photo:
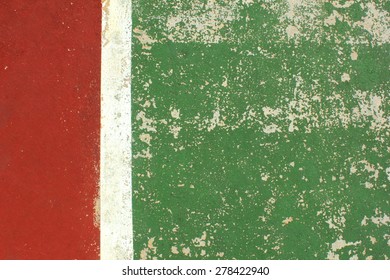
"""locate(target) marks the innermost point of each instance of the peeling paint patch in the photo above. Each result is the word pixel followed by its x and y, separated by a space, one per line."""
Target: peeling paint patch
pixel 269 119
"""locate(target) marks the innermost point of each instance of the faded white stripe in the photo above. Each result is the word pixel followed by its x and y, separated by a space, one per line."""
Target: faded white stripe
pixel 116 228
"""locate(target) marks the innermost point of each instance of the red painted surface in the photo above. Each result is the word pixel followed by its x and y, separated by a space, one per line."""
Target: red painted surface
pixel 49 128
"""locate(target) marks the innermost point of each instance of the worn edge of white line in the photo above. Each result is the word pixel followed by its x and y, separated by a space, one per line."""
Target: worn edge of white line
pixel 116 226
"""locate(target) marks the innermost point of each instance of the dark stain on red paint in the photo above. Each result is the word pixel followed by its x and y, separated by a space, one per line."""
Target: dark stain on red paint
pixel 49 128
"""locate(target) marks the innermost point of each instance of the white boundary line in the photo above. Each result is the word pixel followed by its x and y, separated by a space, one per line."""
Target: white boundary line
pixel 116 227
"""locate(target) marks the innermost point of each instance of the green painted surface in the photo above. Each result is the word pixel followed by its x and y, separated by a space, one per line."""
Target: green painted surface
pixel 261 129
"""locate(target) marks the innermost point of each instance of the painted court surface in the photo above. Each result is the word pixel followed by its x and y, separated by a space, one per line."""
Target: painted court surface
pixel 203 129
pixel 261 129
pixel 49 129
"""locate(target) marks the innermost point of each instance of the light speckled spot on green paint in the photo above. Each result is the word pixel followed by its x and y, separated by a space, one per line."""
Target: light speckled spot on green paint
pixel 261 129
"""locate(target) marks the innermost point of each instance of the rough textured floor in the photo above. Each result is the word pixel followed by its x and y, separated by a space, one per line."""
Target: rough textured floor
pixel 261 129
pixel 49 129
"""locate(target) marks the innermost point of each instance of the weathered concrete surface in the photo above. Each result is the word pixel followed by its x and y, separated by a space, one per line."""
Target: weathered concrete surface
pixel 261 129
